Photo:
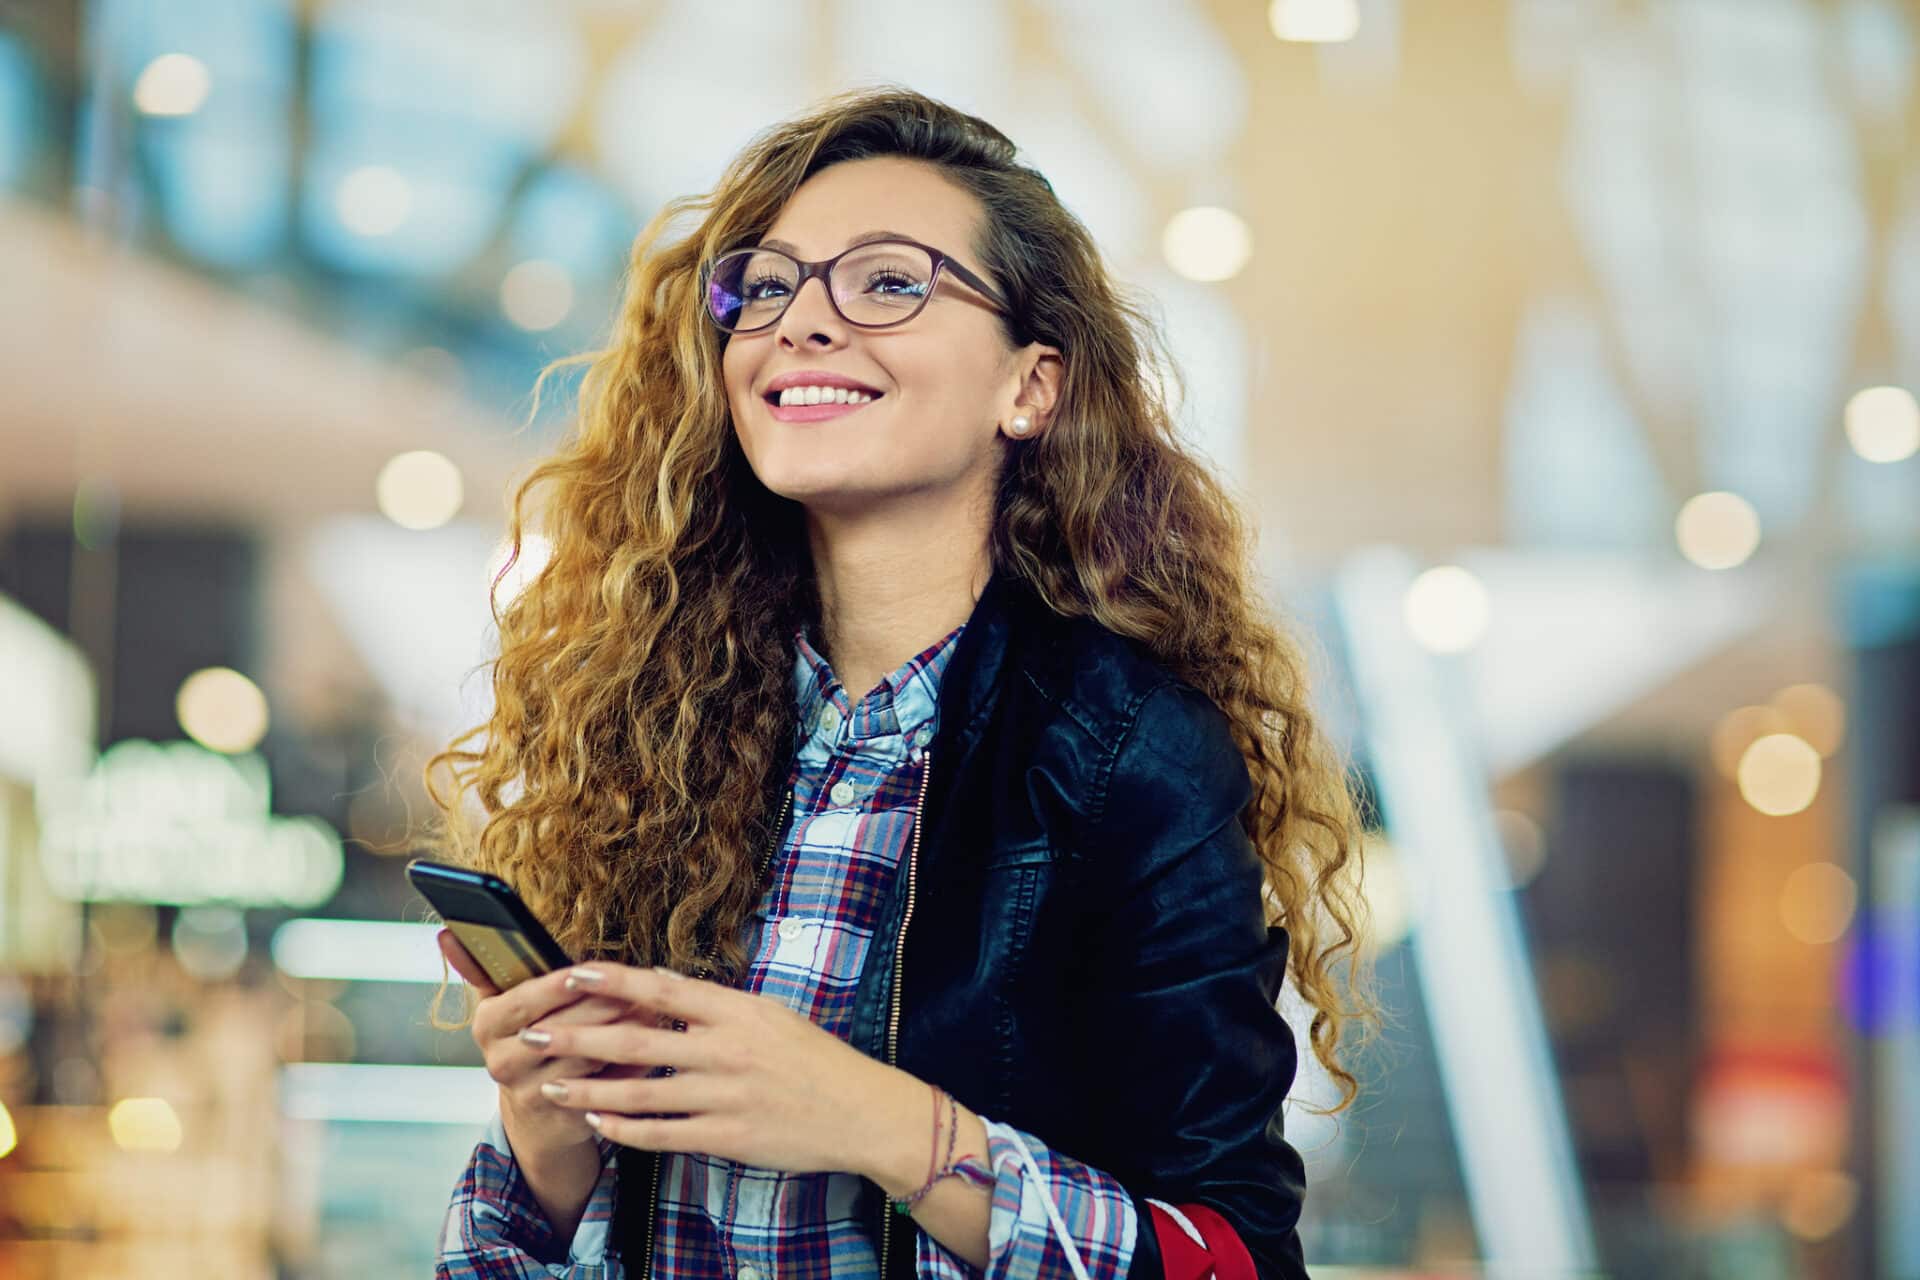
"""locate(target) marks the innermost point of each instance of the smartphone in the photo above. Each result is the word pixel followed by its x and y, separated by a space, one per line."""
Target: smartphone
pixel 490 921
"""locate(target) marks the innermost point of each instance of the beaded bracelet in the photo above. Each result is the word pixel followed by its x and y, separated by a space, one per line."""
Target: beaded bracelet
pixel 968 1167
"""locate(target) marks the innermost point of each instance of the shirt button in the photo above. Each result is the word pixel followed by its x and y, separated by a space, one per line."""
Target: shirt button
pixel 790 929
pixel 830 718
pixel 923 737
pixel 843 793
pixel 748 1272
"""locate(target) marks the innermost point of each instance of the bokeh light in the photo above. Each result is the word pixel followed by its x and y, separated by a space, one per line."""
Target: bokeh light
pixel 1819 1202
pixel 1883 424
pixel 9 1136
pixel 537 294
pixel 1717 530
pixel 1447 609
pixel 1524 845
pixel 1388 893
pixel 374 200
pixel 1817 902
pixel 210 942
pixel 1779 774
pixel 222 710
pixel 1738 730
pixel 1207 243
pixel 144 1124
pixel 1314 21
pixel 419 489
pixel 173 84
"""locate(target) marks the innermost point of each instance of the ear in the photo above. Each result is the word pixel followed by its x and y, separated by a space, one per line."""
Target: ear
pixel 1043 373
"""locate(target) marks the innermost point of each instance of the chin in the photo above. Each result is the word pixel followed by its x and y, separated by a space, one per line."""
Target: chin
pixel 824 495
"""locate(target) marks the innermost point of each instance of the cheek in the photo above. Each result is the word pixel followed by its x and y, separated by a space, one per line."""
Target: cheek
pixel 736 382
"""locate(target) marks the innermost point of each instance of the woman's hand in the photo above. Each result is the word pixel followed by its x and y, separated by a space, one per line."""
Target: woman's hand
pixel 535 1126
pixel 753 1080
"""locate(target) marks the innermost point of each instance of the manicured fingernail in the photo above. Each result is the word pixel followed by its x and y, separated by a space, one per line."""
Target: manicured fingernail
pixel 538 1039
pixel 554 1090
pixel 584 978
pixel 592 1118
pixel 671 973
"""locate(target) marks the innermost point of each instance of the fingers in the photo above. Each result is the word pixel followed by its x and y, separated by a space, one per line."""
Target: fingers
pixel 525 1004
pixel 510 1061
pixel 465 965
pixel 626 1042
pixel 618 1010
pixel 517 1059
pixel 693 999
pixel 646 1095
pixel 670 1132
pixel 590 1010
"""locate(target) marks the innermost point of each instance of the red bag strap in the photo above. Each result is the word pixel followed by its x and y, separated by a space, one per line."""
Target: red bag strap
pixel 1181 1256
pixel 1224 1258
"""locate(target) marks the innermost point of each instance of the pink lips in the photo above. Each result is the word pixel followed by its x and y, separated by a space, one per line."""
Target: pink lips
pixel 814 412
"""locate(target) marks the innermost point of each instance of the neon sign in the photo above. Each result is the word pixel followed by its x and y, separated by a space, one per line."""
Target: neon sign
pixel 172 822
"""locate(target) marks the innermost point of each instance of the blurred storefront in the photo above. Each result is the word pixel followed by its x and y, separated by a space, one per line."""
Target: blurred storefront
pixel 1563 349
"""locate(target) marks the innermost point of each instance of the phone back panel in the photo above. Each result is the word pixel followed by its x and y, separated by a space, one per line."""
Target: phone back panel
pixel 502 952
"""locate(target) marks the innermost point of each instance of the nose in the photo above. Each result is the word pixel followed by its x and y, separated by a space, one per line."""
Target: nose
pixel 811 316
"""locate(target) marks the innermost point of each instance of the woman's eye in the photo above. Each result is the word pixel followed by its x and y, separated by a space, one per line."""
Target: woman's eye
pixel 763 287
pixel 900 279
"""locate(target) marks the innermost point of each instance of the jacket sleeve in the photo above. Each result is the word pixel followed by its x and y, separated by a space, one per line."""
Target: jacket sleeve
pixel 1197 1057
pixel 495 1230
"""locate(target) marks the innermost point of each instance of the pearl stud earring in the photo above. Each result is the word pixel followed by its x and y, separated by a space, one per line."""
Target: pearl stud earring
pixel 1020 425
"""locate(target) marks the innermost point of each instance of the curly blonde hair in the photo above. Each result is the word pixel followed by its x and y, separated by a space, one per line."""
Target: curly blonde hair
pixel 642 722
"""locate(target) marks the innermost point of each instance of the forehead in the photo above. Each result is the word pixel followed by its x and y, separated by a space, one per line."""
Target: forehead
pixel 838 204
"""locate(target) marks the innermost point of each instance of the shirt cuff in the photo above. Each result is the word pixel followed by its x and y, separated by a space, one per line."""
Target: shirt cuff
pixel 494 1219
pixel 1092 1218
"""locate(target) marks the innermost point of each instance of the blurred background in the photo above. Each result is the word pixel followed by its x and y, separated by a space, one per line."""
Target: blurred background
pixel 1562 349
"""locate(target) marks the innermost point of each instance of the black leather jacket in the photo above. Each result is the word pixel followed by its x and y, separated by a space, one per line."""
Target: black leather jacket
pixel 1086 957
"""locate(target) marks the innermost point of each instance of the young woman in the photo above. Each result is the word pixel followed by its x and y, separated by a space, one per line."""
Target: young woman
pixel 898 683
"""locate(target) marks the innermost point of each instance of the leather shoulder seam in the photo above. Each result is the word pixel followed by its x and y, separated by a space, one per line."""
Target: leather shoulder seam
pixel 1097 808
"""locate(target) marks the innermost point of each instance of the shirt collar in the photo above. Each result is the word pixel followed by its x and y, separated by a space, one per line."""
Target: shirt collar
pixel 905 700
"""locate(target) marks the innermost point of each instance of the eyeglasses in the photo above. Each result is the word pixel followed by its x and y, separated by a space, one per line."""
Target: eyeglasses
pixel 873 286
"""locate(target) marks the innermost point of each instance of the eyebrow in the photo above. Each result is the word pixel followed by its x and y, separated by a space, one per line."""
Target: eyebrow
pixel 865 237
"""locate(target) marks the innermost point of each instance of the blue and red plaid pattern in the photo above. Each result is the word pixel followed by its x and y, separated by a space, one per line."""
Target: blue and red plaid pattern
pixel 494 1230
pixel 856 774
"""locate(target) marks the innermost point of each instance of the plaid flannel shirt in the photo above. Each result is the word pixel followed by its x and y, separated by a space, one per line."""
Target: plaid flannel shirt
pixel 855 779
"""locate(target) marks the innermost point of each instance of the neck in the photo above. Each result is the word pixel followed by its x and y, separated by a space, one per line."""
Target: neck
pixel 893 583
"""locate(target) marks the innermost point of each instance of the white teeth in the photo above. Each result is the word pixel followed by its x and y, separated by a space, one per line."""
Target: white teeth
pixel 817 394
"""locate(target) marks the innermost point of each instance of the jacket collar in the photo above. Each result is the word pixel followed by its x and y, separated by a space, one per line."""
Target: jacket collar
pixel 981 656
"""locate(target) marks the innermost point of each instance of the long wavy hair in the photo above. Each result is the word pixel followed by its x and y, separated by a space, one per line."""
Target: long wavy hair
pixel 626 780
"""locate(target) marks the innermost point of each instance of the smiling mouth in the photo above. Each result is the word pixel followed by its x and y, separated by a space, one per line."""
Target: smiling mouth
pixel 773 398
pixel 817 412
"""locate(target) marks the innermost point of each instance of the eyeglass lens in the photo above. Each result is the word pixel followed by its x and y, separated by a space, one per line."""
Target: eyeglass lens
pixel 875 284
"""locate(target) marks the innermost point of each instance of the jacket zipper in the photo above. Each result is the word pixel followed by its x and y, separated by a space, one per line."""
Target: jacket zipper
pixel 653 1190
pixel 888 1214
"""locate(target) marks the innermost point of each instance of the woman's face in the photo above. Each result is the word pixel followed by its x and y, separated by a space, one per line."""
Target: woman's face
pixel 947 379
